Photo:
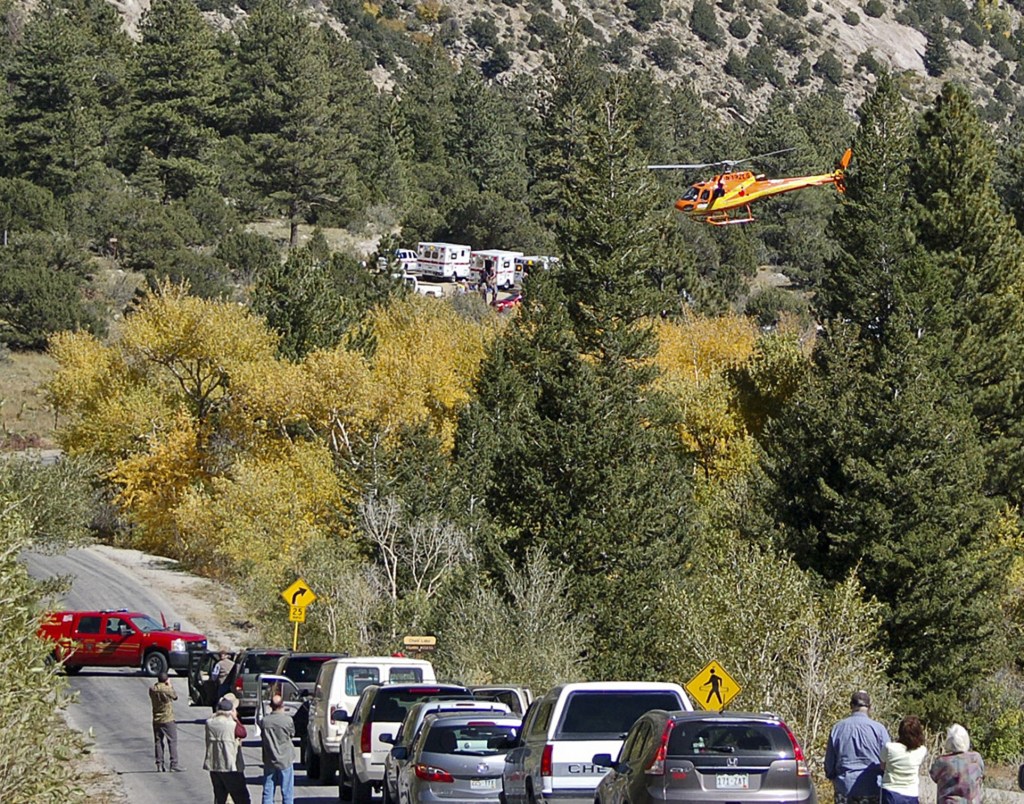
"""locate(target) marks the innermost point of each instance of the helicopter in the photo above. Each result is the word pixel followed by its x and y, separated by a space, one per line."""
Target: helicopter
pixel 726 198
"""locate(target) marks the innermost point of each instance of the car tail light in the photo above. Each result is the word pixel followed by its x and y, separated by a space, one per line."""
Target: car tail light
pixel 546 765
pixel 656 767
pixel 798 753
pixel 429 773
pixel 238 683
pixel 366 738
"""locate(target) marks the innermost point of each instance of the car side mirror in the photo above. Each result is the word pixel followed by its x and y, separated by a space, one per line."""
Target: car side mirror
pixel 387 738
pixel 340 716
pixel 400 752
pixel 175 626
pixel 604 760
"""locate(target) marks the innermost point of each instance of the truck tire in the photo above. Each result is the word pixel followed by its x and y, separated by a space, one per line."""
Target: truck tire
pixel 72 669
pixel 326 770
pixel 344 784
pixel 312 762
pixel 362 792
pixel 155 663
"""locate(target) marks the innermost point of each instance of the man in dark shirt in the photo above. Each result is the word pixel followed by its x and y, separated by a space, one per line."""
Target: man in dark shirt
pixel 278 754
pixel 854 753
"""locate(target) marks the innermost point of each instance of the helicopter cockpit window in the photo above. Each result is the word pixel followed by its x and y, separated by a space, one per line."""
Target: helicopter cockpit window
pixel 705 195
pixel 690 194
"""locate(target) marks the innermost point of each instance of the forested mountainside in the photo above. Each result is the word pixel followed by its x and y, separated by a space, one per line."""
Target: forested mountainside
pixel 735 53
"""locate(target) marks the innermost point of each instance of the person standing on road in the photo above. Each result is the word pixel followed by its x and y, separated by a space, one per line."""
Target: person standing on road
pixel 854 753
pixel 221 675
pixel 162 696
pixel 958 771
pixel 901 764
pixel 224 761
pixel 278 754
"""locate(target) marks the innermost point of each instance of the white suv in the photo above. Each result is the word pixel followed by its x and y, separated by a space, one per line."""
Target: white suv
pixel 562 731
pixel 380 710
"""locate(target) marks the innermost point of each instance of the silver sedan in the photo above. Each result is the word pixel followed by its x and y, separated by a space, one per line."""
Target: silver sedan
pixel 457 760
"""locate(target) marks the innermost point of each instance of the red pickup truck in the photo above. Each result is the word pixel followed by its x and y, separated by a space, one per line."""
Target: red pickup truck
pixel 118 639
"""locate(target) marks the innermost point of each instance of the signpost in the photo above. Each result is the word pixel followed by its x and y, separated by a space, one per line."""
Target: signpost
pixel 297 596
pixel 419 644
pixel 712 688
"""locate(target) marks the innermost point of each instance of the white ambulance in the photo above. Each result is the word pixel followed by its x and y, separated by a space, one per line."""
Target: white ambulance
pixel 443 260
pixel 504 263
pixel 526 264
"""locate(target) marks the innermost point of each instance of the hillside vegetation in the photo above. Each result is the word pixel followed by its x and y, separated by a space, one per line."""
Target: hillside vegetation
pixel 647 465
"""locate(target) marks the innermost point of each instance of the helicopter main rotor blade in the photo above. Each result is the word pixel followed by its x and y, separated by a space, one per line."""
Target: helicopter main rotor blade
pixel 684 167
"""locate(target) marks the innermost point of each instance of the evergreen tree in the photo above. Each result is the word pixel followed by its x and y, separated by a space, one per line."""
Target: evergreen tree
pixel 65 77
pixel 387 157
pixel 282 95
pixel 177 91
pixel 981 256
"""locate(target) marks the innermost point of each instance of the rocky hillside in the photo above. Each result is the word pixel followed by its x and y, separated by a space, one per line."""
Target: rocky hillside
pixel 736 52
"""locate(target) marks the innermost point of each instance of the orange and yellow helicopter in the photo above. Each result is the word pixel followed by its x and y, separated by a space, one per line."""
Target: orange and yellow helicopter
pixel 726 198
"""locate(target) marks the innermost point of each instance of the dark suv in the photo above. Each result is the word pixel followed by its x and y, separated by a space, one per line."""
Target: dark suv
pixel 249 663
pixel 707 757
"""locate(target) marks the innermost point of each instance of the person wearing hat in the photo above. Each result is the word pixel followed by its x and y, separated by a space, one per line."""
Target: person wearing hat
pixel 958 771
pixel 854 753
pixel 224 734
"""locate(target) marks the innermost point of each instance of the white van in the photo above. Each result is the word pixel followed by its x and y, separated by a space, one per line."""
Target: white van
pixel 443 260
pixel 338 687
pixel 504 263
pixel 531 263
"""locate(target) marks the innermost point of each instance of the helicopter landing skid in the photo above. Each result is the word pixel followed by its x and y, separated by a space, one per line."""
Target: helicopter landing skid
pixel 723 218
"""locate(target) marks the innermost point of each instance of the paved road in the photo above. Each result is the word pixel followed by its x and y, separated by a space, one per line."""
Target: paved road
pixel 115 703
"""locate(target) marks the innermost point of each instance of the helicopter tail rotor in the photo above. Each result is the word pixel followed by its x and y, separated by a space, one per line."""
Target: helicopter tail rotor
pixel 840 171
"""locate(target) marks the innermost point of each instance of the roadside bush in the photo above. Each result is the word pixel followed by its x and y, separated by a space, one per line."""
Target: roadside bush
pixel 481 638
pixel 32 502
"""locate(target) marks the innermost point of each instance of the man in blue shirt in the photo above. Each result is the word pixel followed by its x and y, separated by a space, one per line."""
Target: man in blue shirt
pixel 854 753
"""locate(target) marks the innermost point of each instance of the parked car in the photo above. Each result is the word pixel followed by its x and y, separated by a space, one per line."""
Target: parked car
pixel 508 303
pixel 202 687
pixel 303 669
pixel 339 684
pixel 249 663
pixel 269 685
pixel 410 729
pixel 380 710
pixel 456 758
pixel 119 638
pixel 565 728
pixel 707 757
pixel 518 699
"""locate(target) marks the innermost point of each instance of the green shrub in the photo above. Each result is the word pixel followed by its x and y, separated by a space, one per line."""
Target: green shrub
pixel 851 17
pixel 620 49
pixel 704 23
pixel 727 6
pixel 973 35
pixel 499 61
pixel 793 8
pixel 483 31
pixel 645 13
pixel 664 52
pixel 829 67
pixel 739 28
pixel 874 8
pixel 736 66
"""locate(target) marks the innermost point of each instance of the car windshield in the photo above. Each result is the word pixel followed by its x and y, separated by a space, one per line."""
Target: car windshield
pixel 392 706
pixel 146 624
pixel 610 714
pixel 478 739
pixel 702 737
pixel 304 668
pixel 261 663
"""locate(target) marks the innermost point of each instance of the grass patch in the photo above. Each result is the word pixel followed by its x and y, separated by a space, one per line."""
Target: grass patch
pixel 26 420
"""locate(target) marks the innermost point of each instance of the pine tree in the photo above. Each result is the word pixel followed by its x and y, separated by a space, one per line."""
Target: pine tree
pixel 981 257
pixel 178 84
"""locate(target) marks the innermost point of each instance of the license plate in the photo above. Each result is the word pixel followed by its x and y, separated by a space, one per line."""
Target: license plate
pixel 732 781
pixel 483 784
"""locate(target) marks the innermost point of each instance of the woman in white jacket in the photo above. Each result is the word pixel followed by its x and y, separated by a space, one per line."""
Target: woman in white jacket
pixel 901 763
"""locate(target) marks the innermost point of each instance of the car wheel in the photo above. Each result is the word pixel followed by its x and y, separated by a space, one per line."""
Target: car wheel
pixel 72 669
pixel 326 770
pixel 155 663
pixel 531 797
pixel 344 784
pixel 362 792
pixel 312 762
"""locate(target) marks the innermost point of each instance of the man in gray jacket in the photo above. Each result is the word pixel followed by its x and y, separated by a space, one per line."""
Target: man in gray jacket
pixel 224 734
pixel 278 753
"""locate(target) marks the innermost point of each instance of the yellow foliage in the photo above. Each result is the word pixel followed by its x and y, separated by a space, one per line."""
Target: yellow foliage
pixel 193 345
pixel 338 396
pixel 425 365
pixel 429 10
pixel 693 350
pixel 152 483
pixel 371 8
pixel 264 513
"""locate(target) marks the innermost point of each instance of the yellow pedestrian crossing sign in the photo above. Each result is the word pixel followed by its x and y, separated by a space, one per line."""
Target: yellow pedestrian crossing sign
pixel 712 688
pixel 298 594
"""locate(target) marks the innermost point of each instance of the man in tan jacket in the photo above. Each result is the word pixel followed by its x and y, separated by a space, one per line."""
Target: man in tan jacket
pixel 162 696
pixel 224 735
